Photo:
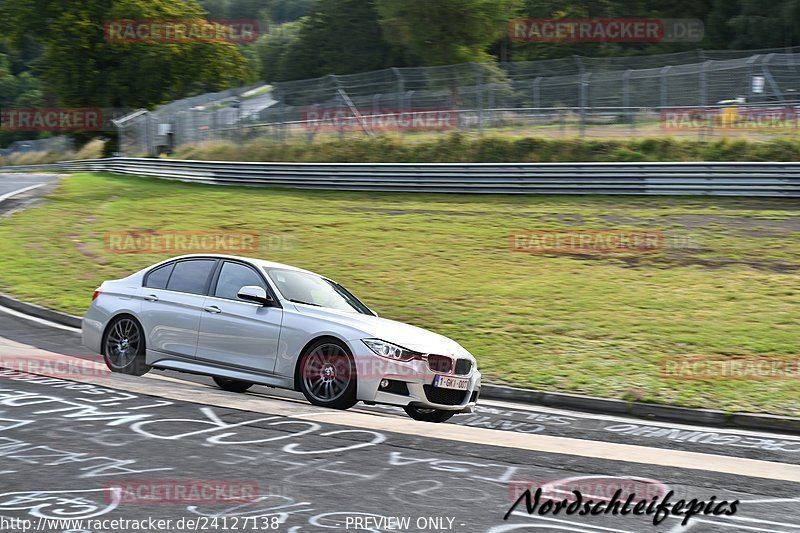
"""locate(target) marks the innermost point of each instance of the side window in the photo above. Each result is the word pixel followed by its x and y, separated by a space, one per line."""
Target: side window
pixel 234 276
pixel 191 276
pixel 157 279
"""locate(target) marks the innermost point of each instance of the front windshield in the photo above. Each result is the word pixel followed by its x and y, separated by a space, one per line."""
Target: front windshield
pixel 305 288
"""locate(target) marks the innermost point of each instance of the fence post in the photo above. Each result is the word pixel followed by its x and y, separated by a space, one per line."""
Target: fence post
pixel 479 86
pixel 583 95
pixel 664 72
pixel 704 92
pixel 284 125
pixel 376 104
pixel 768 77
pixel 626 98
pixel 401 88
pixel 339 104
pixel 750 74
pixel 490 89
pixel 149 136
pixel 537 92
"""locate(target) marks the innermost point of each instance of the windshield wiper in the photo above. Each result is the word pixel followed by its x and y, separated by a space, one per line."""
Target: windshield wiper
pixel 302 302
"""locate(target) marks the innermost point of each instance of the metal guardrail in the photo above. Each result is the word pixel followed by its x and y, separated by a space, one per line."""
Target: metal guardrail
pixel 718 179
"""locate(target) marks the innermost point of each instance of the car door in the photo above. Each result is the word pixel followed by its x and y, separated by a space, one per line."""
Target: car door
pixel 173 297
pixel 234 332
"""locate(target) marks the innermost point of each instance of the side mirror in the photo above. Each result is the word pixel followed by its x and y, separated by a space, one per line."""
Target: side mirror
pixel 254 293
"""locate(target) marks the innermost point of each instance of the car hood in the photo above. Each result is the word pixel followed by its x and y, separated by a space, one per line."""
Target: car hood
pixel 405 335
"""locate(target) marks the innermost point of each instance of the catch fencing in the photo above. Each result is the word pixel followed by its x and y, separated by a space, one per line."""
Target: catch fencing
pixel 607 97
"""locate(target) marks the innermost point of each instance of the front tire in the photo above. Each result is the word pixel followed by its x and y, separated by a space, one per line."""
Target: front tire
pixel 232 385
pixel 428 415
pixel 124 347
pixel 327 375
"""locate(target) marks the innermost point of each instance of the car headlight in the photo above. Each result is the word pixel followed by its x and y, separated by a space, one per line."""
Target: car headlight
pixel 391 351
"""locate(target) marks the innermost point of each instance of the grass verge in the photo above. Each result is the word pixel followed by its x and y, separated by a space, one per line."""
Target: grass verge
pixel 724 284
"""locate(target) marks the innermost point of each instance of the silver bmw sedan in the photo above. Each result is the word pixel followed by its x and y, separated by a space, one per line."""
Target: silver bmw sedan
pixel 245 321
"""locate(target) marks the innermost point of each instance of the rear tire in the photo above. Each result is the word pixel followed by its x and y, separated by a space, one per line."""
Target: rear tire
pixel 327 375
pixel 428 415
pixel 232 385
pixel 124 347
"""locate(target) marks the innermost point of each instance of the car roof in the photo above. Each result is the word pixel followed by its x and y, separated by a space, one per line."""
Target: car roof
pixel 257 262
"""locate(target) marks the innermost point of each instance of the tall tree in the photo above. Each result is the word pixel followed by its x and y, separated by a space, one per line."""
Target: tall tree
pixel 22 90
pixel 79 67
pixel 443 32
pixel 764 24
pixel 341 37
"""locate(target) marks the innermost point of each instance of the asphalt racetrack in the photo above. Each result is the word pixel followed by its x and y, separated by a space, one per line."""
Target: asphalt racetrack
pixel 86 451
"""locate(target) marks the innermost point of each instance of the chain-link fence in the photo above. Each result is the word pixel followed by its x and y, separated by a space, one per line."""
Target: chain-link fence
pixel 190 120
pixel 60 143
pixel 618 96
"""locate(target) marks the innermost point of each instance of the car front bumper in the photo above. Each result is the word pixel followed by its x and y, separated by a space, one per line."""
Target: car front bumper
pixel 411 383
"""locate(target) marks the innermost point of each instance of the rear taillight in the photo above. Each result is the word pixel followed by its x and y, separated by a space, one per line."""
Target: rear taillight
pixel 96 294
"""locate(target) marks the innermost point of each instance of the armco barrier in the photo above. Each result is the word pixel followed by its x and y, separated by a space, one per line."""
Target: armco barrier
pixel 722 179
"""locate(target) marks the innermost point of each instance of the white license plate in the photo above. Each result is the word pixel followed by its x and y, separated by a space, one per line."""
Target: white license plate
pixel 446 382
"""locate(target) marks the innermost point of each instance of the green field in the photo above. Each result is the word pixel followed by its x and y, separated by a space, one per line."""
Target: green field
pixel 724 284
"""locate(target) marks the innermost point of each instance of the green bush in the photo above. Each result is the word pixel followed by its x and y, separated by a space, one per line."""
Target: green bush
pixel 460 147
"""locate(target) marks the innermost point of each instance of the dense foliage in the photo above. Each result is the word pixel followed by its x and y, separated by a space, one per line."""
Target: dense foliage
pixel 54 53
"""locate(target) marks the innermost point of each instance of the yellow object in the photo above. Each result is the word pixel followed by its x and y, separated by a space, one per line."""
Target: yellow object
pixel 729 114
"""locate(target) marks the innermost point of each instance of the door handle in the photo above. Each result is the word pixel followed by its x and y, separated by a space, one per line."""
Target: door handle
pixel 212 309
pixel 151 298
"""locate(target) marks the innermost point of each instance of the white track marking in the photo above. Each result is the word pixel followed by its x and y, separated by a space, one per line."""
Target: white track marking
pixel 491 403
pixel 38 320
pixel 632 420
pixel 447 432
pixel 11 194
